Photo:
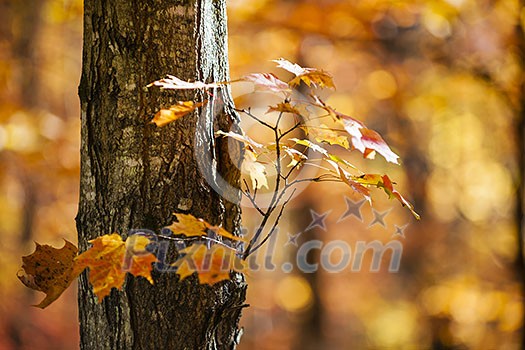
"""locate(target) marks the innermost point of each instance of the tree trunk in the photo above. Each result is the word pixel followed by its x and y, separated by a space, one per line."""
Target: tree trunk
pixel 135 175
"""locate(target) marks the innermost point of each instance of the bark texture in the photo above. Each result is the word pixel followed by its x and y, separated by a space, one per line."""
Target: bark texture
pixel 134 175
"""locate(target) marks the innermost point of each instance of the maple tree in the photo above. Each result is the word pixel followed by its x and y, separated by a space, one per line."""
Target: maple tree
pixel 51 270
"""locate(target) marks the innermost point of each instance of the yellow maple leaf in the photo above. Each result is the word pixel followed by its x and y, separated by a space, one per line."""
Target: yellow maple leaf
pixel 110 258
pixel 191 226
pixel 188 225
pixel 325 134
pixel 49 270
pixel 317 78
pixel 182 108
pixel 212 265
pixel 284 107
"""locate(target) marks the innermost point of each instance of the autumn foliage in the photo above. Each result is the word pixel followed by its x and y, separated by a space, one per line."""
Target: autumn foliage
pixel 211 251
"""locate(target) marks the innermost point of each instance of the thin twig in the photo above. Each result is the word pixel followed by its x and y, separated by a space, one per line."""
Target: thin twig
pixel 272 230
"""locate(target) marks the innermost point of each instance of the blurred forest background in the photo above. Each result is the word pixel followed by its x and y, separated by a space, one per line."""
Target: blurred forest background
pixel 442 81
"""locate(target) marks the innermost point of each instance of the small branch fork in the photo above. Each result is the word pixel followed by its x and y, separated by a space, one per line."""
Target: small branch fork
pixel 281 187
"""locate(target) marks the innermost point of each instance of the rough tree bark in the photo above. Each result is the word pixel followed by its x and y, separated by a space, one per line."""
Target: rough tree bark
pixel 134 175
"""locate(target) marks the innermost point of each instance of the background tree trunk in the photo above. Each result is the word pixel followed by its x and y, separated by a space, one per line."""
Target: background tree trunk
pixel 134 175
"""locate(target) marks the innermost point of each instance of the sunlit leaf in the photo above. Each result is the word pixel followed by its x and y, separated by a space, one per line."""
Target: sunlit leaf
pixel 284 107
pixel 365 140
pixel 296 156
pixel 348 179
pixel 110 258
pixel 182 108
pixel 266 82
pixel 242 138
pixel 191 226
pixel 325 134
pixel 324 152
pixel 188 225
pixel 212 265
pixel 254 169
pixel 289 66
pixel 384 182
pixel 173 83
pixel 309 76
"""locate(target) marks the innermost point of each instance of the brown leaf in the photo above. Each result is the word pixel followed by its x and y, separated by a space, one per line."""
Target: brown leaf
pixel 182 108
pixel 49 270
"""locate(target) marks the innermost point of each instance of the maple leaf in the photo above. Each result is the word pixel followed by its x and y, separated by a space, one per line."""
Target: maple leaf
pixel 309 76
pixel 296 157
pixel 266 82
pixel 173 83
pixel 188 225
pixel 49 270
pixel 242 138
pixel 324 152
pixel 182 108
pixel 254 169
pixel 384 182
pixel 191 226
pixel 284 107
pixel 347 178
pixel 365 140
pixel 110 258
pixel 212 265
pixel 325 134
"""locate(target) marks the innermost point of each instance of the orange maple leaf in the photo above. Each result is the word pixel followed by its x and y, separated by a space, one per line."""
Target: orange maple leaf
pixel 190 226
pixel 212 265
pixel 49 270
pixel 182 108
pixel 110 258
pixel 384 182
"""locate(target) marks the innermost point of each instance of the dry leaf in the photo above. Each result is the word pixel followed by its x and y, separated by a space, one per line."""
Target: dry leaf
pixel 49 270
